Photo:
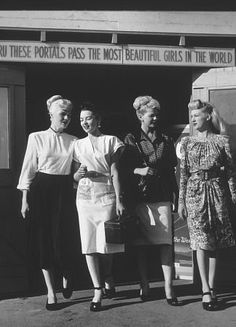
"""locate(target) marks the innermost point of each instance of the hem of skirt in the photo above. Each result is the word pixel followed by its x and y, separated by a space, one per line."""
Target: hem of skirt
pixel 205 248
pixel 103 252
pixel 137 243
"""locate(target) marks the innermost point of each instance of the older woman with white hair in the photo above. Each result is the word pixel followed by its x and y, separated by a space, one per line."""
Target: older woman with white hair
pixel 149 184
pixel 47 194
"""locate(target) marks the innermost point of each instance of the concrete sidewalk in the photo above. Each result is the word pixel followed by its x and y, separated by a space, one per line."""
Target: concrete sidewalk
pixel 125 310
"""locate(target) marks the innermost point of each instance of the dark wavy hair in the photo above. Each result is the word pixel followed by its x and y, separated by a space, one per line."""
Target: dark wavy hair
pixel 90 106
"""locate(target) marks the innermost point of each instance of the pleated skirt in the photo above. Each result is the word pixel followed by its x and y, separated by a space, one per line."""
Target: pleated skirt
pixel 52 209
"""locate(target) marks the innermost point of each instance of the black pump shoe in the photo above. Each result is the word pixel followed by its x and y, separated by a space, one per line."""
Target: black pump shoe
pixel 173 301
pixel 67 292
pixel 144 297
pixel 208 306
pixel 51 306
pixel 96 306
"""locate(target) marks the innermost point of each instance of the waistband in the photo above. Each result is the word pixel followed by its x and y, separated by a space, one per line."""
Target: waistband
pixel 207 174
pixel 55 176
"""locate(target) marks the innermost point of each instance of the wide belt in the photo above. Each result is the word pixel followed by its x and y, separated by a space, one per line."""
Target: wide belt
pixel 207 174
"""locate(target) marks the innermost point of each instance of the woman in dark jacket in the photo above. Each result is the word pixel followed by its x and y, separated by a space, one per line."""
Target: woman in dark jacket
pixel 149 162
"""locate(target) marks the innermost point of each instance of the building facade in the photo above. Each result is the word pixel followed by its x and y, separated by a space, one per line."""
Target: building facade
pixel 108 57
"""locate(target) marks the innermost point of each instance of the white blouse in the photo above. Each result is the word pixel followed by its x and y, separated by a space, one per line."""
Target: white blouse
pixel 47 152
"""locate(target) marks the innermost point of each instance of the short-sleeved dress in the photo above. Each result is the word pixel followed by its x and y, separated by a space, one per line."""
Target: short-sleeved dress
pixel 96 199
pixel 207 200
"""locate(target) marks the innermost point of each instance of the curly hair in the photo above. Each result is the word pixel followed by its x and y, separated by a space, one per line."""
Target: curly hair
pixel 142 103
pixel 217 123
pixel 58 100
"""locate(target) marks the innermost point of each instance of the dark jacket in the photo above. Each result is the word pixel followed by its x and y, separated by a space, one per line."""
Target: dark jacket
pixel 159 155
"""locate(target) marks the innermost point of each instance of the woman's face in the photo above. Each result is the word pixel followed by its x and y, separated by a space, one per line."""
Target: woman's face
pixel 89 121
pixel 60 117
pixel 200 119
pixel 150 118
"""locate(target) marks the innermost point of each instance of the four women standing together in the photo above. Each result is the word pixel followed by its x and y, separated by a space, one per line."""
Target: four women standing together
pixel 148 161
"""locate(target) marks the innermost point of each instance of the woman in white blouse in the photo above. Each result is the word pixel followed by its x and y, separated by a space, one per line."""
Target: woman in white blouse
pixel 98 199
pixel 47 195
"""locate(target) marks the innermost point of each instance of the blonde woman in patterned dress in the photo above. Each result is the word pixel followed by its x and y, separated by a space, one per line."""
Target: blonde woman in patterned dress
pixel 207 187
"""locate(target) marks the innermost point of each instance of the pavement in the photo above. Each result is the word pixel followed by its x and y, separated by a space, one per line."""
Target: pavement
pixel 125 310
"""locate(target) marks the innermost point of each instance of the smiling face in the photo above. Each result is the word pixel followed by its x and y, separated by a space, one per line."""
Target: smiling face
pixel 89 122
pixel 150 118
pixel 200 119
pixel 60 116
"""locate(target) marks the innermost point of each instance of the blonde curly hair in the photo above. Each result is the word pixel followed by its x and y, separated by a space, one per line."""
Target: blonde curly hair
pixel 142 103
pixel 218 124
pixel 58 100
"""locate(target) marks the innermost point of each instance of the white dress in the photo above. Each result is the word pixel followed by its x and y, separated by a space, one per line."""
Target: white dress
pixel 95 200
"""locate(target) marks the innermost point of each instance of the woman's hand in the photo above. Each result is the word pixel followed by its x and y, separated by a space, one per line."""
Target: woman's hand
pixel 80 173
pixel 24 208
pixel 120 209
pixel 182 211
pixel 143 171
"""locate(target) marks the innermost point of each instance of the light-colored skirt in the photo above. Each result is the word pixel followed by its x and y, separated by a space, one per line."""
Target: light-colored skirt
pixel 155 223
pixel 92 232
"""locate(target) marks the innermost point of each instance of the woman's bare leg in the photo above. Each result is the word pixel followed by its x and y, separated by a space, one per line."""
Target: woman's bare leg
pixel 94 271
pixel 167 268
pixel 142 268
pixel 107 261
pixel 48 277
pixel 203 266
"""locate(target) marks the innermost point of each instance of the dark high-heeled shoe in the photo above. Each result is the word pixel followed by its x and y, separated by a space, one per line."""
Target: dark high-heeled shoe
pixel 213 295
pixel 208 306
pixel 96 306
pixel 51 306
pixel 144 297
pixel 67 291
pixel 173 301
pixel 109 292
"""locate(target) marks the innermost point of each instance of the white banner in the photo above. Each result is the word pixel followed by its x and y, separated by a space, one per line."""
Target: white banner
pixel 69 53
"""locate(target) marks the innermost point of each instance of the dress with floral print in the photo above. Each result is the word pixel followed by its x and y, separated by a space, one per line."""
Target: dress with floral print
pixel 208 202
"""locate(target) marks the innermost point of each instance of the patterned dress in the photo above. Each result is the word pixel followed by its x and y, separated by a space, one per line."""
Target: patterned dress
pixel 208 200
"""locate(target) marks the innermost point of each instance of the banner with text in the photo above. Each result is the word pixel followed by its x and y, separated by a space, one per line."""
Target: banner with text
pixel 38 52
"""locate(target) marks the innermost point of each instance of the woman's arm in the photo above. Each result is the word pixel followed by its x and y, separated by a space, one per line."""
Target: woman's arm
pixel 30 164
pixel 134 161
pixel 24 204
pixel 28 172
pixel 230 170
pixel 116 183
pixel 182 211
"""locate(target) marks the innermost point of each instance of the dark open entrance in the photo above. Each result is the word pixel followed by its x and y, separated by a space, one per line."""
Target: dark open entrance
pixel 113 89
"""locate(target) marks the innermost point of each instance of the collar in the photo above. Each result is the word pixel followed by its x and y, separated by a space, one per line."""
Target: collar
pixel 143 137
pixel 54 132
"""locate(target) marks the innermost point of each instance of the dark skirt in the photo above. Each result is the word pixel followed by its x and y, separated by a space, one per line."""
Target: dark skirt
pixel 52 208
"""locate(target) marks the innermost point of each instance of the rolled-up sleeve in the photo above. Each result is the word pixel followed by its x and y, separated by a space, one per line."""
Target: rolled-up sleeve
pixel 30 164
